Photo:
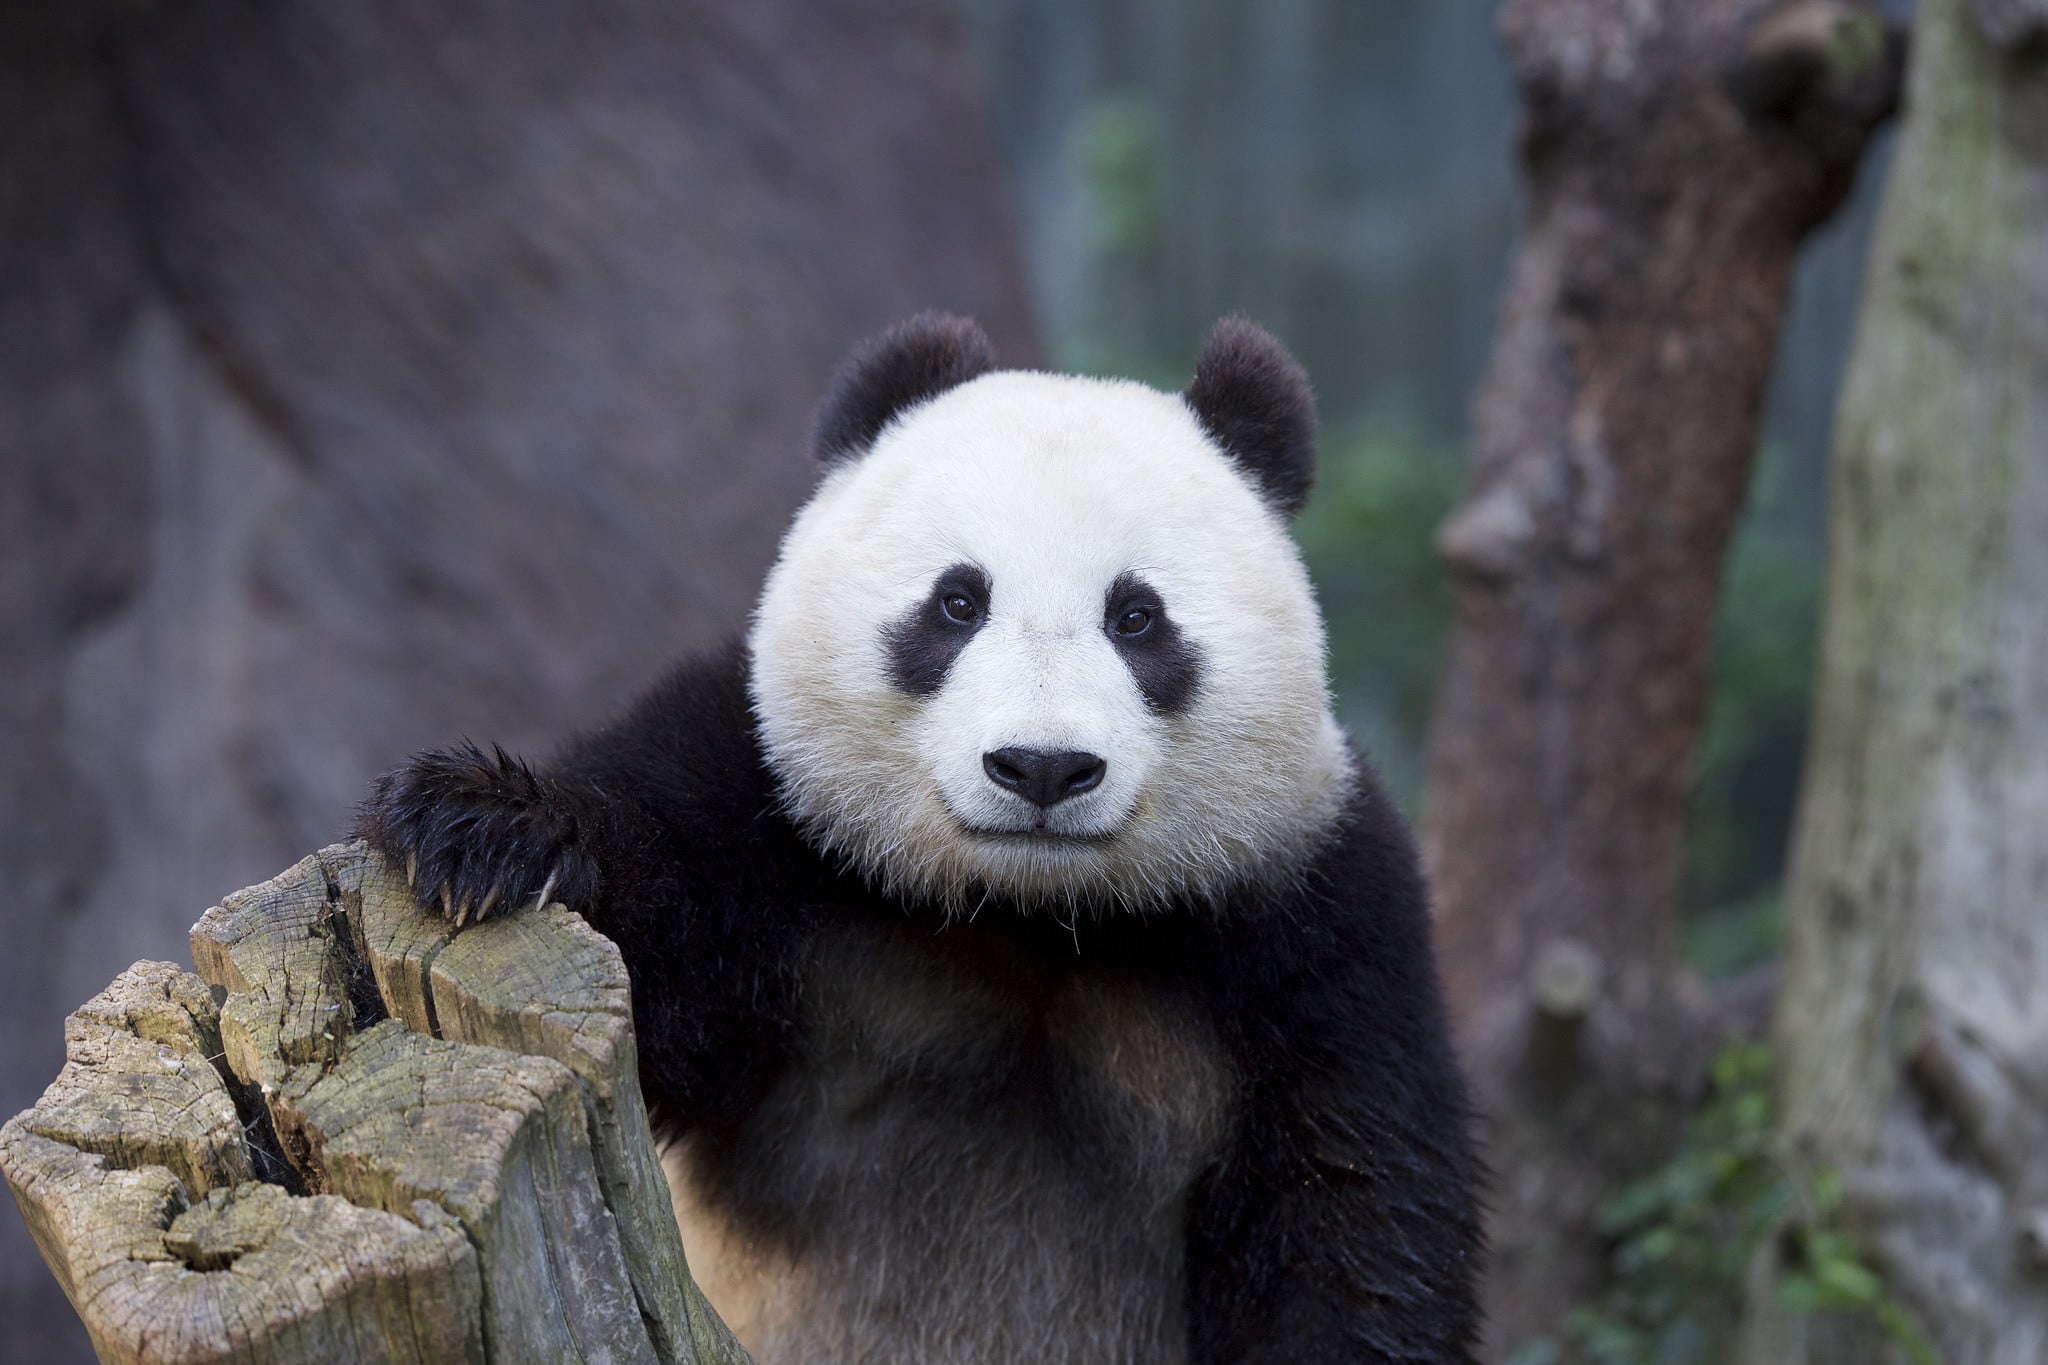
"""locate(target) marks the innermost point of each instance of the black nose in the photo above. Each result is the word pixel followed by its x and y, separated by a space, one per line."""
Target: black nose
pixel 1042 777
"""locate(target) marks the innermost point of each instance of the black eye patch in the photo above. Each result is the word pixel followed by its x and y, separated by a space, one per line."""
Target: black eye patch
pixel 925 640
pixel 1165 663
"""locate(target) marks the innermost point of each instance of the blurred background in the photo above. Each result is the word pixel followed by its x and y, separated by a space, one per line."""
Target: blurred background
pixel 379 374
pixel 1344 174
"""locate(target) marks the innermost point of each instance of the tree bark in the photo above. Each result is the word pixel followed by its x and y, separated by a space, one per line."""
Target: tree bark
pixel 353 1136
pixel 1675 159
pixel 1913 1028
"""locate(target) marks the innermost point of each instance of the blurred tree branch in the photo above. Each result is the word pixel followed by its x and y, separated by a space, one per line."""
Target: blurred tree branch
pixel 1675 159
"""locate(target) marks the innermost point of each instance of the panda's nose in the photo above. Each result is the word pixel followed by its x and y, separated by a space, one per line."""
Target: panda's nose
pixel 1044 777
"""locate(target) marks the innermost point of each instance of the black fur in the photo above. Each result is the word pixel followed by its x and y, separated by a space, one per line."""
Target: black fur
pixel 1165 663
pixel 857 1074
pixel 1253 399
pixel 447 801
pixel 912 362
pixel 924 642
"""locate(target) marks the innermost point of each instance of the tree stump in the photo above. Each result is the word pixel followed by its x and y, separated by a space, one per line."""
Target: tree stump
pixel 356 1135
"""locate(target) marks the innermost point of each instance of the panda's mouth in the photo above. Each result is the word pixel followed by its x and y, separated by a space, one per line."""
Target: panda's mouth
pixel 992 828
pixel 1037 834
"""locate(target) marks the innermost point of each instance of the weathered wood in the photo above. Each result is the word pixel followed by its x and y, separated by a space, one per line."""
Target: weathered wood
pixel 140 1047
pixel 273 949
pixel 250 1273
pixel 278 1159
pixel 135 1179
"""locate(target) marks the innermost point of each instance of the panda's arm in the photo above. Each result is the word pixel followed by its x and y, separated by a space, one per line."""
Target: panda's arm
pixel 1342 1224
pixel 606 824
pixel 658 829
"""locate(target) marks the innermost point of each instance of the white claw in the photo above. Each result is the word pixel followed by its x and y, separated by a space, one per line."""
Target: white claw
pixel 412 869
pixel 547 888
pixel 489 901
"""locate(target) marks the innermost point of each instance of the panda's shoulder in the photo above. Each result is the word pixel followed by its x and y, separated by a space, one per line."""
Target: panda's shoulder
pixel 1369 864
pixel 687 745
pixel 1354 912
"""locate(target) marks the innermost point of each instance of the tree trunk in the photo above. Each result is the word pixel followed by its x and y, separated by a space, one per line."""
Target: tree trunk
pixel 1675 158
pixel 1913 1026
pixel 375 372
pixel 369 1140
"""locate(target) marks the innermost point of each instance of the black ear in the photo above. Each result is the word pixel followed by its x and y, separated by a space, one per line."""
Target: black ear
pixel 913 361
pixel 1253 399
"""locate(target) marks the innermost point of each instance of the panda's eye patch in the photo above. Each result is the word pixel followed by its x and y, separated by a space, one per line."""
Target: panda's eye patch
pixel 1166 665
pixel 919 648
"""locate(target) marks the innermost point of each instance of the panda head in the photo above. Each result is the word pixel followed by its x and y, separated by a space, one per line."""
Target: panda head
pixel 1045 638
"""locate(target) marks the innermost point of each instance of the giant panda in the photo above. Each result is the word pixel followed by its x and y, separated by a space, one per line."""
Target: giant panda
pixel 1025 966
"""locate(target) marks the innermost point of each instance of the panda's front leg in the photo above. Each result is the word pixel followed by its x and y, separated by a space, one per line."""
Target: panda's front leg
pixel 479 832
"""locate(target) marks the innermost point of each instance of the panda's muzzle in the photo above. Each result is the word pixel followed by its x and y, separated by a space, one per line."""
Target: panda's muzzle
pixel 1044 777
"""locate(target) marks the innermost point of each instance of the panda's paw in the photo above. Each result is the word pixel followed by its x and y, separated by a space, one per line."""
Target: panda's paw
pixel 476 833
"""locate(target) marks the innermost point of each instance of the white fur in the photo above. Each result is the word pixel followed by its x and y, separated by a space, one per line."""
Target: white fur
pixel 1053 486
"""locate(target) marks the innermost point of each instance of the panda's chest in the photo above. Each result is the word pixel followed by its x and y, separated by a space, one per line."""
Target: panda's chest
pixel 935 1021
pixel 969 1131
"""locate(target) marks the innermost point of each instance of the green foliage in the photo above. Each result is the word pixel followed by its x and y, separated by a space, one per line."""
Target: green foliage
pixel 1683 1238
pixel 1369 538
pixel 1856 44
pixel 1824 1272
pixel 1117 161
pixel 1726 940
pixel 1116 149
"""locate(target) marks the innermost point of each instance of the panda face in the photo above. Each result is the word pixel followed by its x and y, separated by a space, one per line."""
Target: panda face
pixel 1044 640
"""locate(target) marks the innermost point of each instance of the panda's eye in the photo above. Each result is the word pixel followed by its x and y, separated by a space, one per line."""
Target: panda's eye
pixel 960 609
pixel 1134 622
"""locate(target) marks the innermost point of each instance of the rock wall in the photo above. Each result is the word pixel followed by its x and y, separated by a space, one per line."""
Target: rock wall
pixel 376 374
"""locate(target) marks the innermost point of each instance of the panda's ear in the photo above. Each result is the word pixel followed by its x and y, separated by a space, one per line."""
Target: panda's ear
pixel 1253 399
pixel 913 361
